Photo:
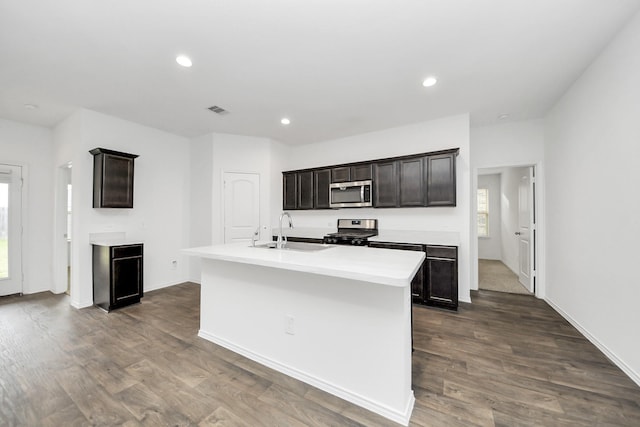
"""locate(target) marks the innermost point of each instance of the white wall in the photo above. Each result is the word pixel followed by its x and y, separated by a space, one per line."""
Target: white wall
pixel 160 216
pixel 491 247
pixel 211 156
pixel 30 147
pixel 449 132
pixel 592 156
pixel 504 145
pixel 237 153
pixel 201 170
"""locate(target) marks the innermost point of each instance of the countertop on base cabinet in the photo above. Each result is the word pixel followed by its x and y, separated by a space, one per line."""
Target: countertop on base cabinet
pixel 117 274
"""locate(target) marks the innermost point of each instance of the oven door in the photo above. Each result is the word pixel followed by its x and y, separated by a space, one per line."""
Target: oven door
pixel 350 194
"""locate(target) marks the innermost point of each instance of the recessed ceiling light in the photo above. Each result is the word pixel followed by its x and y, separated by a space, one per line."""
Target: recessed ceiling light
pixel 285 121
pixel 429 81
pixel 30 106
pixel 503 116
pixel 185 61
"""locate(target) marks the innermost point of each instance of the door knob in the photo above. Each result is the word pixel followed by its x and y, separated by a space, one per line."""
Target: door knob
pixel 518 233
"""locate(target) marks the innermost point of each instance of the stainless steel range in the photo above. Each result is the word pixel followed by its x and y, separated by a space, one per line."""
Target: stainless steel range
pixel 353 232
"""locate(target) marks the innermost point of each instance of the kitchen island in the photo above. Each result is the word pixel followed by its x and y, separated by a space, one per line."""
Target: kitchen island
pixel 335 317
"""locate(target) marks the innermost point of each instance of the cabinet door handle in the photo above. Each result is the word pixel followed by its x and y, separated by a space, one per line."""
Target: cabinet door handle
pixel 440 259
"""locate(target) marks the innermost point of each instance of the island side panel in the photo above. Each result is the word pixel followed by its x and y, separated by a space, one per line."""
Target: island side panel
pixel 350 338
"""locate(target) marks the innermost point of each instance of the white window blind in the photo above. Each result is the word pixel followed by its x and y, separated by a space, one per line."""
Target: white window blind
pixel 483 212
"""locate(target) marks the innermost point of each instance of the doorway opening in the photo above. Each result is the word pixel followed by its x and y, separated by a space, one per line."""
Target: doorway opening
pixel 10 229
pixel 63 230
pixel 507 229
pixel 67 235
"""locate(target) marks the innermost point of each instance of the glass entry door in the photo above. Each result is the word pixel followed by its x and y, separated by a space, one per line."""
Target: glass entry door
pixel 10 230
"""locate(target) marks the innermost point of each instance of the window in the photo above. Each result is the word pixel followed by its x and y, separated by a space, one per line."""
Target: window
pixel 483 212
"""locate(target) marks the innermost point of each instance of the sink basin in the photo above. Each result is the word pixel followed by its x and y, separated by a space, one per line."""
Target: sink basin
pixel 295 246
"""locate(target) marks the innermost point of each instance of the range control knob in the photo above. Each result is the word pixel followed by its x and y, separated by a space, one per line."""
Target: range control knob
pixel 356 242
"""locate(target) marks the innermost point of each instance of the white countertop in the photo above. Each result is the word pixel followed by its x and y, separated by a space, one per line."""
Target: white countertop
pixel 384 266
pixel 116 242
pixel 304 232
pixel 446 238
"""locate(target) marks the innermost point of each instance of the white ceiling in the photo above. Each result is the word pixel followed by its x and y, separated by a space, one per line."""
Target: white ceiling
pixel 335 67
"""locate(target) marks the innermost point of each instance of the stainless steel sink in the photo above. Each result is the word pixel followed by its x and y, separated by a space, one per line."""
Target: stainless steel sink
pixel 295 246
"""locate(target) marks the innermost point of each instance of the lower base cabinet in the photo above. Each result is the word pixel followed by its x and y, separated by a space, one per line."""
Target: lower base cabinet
pixel 441 277
pixel 436 282
pixel 117 275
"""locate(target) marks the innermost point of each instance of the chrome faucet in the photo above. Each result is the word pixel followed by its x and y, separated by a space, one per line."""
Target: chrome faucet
pixel 282 240
pixel 255 236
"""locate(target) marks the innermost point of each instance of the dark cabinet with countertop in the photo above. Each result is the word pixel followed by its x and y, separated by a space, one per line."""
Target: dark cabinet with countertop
pixel 441 276
pixel 117 275
pixel 417 284
pixel 436 283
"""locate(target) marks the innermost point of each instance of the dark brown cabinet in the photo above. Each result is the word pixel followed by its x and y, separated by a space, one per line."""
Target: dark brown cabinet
pixel 117 275
pixel 351 173
pixel 436 283
pixel 441 179
pixel 299 191
pixel 417 284
pixel 112 178
pixel 441 277
pixel 385 184
pixel 411 182
pixel 321 181
pixel 342 174
pixel 427 180
pixel 289 190
pixel 305 190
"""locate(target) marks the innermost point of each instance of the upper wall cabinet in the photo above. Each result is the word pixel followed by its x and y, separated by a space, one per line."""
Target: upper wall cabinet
pixel 411 179
pixel 426 179
pixel 321 181
pixel 112 178
pixel 385 184
pixel 289 190
pixel 305 190
pixel 360 172
pixel 441 179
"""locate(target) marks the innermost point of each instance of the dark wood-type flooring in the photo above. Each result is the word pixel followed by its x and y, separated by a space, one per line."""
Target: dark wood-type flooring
pixel 506 360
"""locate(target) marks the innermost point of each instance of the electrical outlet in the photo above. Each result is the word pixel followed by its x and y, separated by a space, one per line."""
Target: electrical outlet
pixel 288 324
pixel 174 265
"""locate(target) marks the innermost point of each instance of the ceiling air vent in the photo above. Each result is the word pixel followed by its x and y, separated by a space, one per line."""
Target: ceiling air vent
pixel 218 110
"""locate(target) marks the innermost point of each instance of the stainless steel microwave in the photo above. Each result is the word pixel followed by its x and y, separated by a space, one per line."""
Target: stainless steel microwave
pixel 354 194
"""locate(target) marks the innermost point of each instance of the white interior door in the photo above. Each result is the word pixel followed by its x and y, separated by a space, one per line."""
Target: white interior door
pixel 525 229
pixel 10 230
pixel 241 206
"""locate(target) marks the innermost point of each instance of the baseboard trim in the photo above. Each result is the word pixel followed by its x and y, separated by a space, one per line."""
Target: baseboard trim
pixel 401 417
pixel 635 377
pixel 163 285
pixel 81 304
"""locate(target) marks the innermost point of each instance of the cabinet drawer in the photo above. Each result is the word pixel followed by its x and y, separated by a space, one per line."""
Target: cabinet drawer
pixel 126 251
pixel 442 252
